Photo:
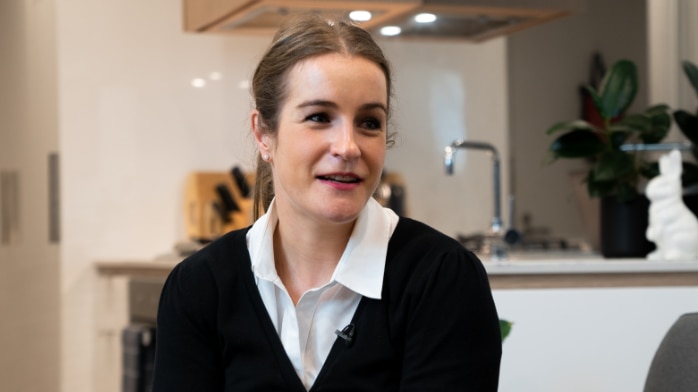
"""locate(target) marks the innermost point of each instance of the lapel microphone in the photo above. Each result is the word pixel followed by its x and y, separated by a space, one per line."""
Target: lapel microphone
pixel 346 334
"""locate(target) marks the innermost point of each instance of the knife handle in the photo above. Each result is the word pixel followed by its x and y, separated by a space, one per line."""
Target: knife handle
pixel 241 182
pixel 226 198
pixel 221 212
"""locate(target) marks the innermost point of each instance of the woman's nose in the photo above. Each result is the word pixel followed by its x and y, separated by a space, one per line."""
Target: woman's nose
pixel 344 144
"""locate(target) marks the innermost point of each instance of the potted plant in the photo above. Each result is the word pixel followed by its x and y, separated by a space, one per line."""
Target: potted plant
pixel 613 173
pixel 617 175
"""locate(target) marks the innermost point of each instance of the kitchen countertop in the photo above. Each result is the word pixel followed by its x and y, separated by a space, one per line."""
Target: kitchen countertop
pixel 576 270
pixel 523 271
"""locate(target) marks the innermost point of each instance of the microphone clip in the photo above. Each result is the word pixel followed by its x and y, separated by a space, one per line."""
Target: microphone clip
pixel 346 334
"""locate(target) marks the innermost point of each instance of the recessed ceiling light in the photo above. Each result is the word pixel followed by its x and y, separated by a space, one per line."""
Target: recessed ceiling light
pixel 391 30
pixel 424 17
pixel 360 15
pixel 198 83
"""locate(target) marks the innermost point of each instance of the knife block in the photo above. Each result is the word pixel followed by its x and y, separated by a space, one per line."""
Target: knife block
pixel 203 222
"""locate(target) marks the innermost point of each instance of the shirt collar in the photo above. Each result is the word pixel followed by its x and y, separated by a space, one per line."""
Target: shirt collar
pixel 362 264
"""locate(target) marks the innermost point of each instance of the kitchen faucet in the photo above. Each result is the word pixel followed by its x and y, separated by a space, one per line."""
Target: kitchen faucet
pixel 496 245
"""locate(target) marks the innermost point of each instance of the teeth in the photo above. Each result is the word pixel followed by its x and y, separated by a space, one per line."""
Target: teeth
pixel 342 178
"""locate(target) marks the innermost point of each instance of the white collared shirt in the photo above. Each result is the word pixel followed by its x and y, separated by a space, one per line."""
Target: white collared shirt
pixel 307 330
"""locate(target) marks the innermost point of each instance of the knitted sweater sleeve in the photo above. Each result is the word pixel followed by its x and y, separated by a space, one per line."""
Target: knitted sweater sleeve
pixel 187 357
pixel 450 329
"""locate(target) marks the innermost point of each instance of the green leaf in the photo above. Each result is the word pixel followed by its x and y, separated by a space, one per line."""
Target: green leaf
pixel 597 188
pixel 618 89
pixel 569 125
pixel 622 191
pixel 657 109
pixel 505 328
pixel 651 126
pixel 661 123
pixel 613 165
pixel 691 72
pixel 618 137
pixel 577 144
pixel 636 122
pixel 688 124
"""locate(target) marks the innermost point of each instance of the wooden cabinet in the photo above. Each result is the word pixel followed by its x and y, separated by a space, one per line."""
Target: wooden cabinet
pixel 264 16
pixel 200 15
pixel 470 20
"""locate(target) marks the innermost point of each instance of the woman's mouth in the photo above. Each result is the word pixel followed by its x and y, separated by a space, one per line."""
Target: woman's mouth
pixel 340 178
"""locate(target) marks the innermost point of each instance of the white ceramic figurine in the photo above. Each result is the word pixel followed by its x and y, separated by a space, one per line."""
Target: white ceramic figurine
pixel 672 226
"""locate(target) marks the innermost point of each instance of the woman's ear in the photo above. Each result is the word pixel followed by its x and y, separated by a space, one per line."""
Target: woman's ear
pixel 261 135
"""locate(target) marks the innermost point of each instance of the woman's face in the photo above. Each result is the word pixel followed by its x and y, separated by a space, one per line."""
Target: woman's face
pixel 327 155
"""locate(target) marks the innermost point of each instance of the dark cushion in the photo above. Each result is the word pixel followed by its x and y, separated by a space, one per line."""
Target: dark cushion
pixel 674 367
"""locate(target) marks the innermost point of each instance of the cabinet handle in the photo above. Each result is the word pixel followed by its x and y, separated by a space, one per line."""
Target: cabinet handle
pixel 54 221
pixel 9 207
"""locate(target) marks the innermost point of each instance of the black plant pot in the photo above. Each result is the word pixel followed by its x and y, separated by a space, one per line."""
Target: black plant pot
pixel 623 227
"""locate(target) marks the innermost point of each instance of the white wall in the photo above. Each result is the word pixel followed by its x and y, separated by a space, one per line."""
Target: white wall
pixel 449 91
pixel 132 127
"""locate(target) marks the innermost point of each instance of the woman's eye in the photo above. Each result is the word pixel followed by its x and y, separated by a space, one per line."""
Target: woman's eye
pixel 371 124
pixel 318 117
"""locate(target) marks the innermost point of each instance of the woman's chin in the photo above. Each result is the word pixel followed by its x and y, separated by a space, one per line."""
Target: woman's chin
pixel 341 217
pixel 342 213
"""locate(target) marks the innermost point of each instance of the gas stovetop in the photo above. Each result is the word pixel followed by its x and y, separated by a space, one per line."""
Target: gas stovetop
pixel 479 243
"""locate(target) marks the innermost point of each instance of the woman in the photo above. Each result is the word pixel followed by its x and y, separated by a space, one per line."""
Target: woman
pixel 327 291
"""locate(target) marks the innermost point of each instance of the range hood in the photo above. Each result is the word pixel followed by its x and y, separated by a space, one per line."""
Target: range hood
pixel 469 20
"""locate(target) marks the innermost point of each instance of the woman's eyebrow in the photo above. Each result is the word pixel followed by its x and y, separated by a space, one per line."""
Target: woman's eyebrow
pixel 374 105
pixel 317 102
pixel 330 104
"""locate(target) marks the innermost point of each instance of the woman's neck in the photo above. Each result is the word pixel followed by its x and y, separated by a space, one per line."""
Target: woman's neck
pixel 307 254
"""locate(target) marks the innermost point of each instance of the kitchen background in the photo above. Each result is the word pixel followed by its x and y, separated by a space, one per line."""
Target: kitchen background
pixel 108 86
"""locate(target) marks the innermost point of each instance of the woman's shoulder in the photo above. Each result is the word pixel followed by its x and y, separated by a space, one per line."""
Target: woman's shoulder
pixel 416 248
pixel 423 262
pixel 217 259
pixel 420 237
pixel 418 252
